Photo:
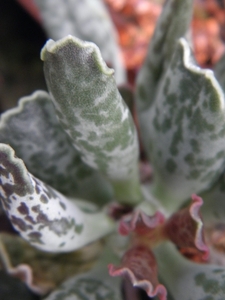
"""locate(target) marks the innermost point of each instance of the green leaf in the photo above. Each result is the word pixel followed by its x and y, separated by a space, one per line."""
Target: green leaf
pixel 187 280
pixel 88 20
pixel 43 216
pixel 213 210
pixel 34 132
pixel 185 130
pixel 92 112
pixel 172 24
pixel 95 284
pixel 219 71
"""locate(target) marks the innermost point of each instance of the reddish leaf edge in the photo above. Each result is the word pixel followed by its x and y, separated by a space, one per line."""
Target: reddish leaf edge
pixel 25 274
pixel 194 210
pixel 146 285
pixel 140 222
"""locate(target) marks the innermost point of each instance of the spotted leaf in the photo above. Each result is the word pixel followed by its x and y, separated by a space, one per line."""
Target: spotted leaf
pixel 172 24
pixel 92 112
pixel 185 130
pixel 43 216
pixel 94 285
pixel 188 280
pixel 34 132
pixel 88 20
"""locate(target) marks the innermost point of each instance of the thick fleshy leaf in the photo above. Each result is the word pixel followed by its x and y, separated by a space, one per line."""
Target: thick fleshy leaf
pixel 43 216
pixel 173 24
pixel 93 285
pixel 40 271
pixel 219 71
pixel 92 112
pixel 34 132
pixel 185 129
pixel 139 265
pixel 185 230
pixel 88 20
pixel 188 280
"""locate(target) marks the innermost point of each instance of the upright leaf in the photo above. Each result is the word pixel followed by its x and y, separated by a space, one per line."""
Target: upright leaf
pixel 185 129
pixel 92 112
pixel 88 20
pixel 43 216
pixel 34 132
pixel 172 24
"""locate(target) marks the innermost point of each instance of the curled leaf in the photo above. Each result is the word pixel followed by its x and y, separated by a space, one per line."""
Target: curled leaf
pixel 140 223
pixel 185 230
pixel 139 265
pixel 43 216
pixel 92 112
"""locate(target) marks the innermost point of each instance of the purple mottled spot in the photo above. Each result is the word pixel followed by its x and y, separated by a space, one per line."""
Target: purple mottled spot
pixel 43 199
pixel 30 219
pixel 23 209
pixel 20 223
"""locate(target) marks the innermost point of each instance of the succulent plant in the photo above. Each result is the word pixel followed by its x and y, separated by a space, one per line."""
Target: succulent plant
pixel 69 162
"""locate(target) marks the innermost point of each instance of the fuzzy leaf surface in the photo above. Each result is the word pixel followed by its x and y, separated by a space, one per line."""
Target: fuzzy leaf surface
pixel 185 130
pixel 93 285
pixel 187 280
pixel 43 216
pixel 172 24
pixel 88 20
pixel 92 112
pixel 34 132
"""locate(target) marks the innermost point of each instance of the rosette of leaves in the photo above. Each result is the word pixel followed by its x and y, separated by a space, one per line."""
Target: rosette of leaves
pixel 67 155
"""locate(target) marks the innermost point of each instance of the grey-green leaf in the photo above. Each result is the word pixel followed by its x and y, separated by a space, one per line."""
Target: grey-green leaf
pixel 88 20
pixel 187 280
pixel 93 285
pixel 43 216
pixel 34 132
pixel 172 24
pixel 92 112
pixel 219 71
pixel 185 130
pixel 213 210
